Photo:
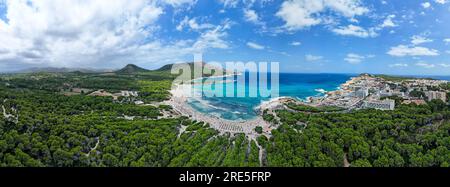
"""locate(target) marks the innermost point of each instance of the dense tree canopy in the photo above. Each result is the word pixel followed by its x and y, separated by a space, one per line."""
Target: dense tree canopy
pixel 409 136
pixel 40 126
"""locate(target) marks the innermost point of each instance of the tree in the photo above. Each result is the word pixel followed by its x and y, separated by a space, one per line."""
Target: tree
pixel 259 129
pixel 361 163
pixel 62 158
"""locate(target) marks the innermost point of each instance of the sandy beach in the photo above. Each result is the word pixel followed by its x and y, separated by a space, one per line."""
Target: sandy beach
pixel 179 102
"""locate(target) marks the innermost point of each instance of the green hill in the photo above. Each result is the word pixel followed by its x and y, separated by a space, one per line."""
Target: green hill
pixel 131 69
pixel 168 68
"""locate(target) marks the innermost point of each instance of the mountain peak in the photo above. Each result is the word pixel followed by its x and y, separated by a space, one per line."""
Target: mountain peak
pixel 168 67
pixel 130 69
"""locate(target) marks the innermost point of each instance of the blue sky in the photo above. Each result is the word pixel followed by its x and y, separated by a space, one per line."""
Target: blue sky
pixel 333 36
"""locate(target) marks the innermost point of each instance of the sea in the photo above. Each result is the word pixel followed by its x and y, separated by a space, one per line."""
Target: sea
pixel 294 85
pixel 300 86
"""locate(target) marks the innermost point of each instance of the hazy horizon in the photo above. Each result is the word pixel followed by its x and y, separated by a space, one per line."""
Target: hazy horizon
pixel 99 69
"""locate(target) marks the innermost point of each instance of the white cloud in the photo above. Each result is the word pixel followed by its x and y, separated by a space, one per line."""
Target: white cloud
pixel 398 65
pixel 416 40
pixel 193 25
pixel 403 50
pixel 426 5
pixel 296 43
pixel 445 65
pixel 95 33
pixel 353 58
pixel 255 46
pixel 348 8
pixel 441 1
pixel 313 58
pixel 300 14
pixel 353 20
pixel 388 22
pixel 251 16
pixel 229 3
pixel 447 40
pixel 178 3
pixel 425 65
pixel 353 30
pixel 213 38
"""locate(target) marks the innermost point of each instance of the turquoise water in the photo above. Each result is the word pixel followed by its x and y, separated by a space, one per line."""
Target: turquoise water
pixel 298 86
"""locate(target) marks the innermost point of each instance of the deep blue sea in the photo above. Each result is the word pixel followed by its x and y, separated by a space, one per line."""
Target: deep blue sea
pixel 298 86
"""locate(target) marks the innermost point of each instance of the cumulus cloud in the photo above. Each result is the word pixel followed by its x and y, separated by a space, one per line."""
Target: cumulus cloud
pixel 426 5
pixel 403 50
pixel 108 33
pixel 62 31
pixel 255 46
pixel 300 14
pixel 353 30
pixel 388 22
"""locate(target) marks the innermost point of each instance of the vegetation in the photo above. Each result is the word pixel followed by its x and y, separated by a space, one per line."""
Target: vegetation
pixel 56 130
pixel 39 126
pixel 417 93
pixel 131 69
pixel 446 86
pixel 151 91
pixel 395 78
pixel 259 129
pixel 268 117
pixel 305 108
pixel 80 130
pixel 412 136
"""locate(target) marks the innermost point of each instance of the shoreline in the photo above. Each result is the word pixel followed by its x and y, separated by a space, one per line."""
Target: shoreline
pixel 179 102
pixel 181 93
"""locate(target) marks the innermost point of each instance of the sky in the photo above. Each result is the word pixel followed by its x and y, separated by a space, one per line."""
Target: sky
pixel 307 36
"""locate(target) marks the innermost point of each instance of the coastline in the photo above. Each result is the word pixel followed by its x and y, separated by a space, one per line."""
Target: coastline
pixel 179 102
pixel 180 95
